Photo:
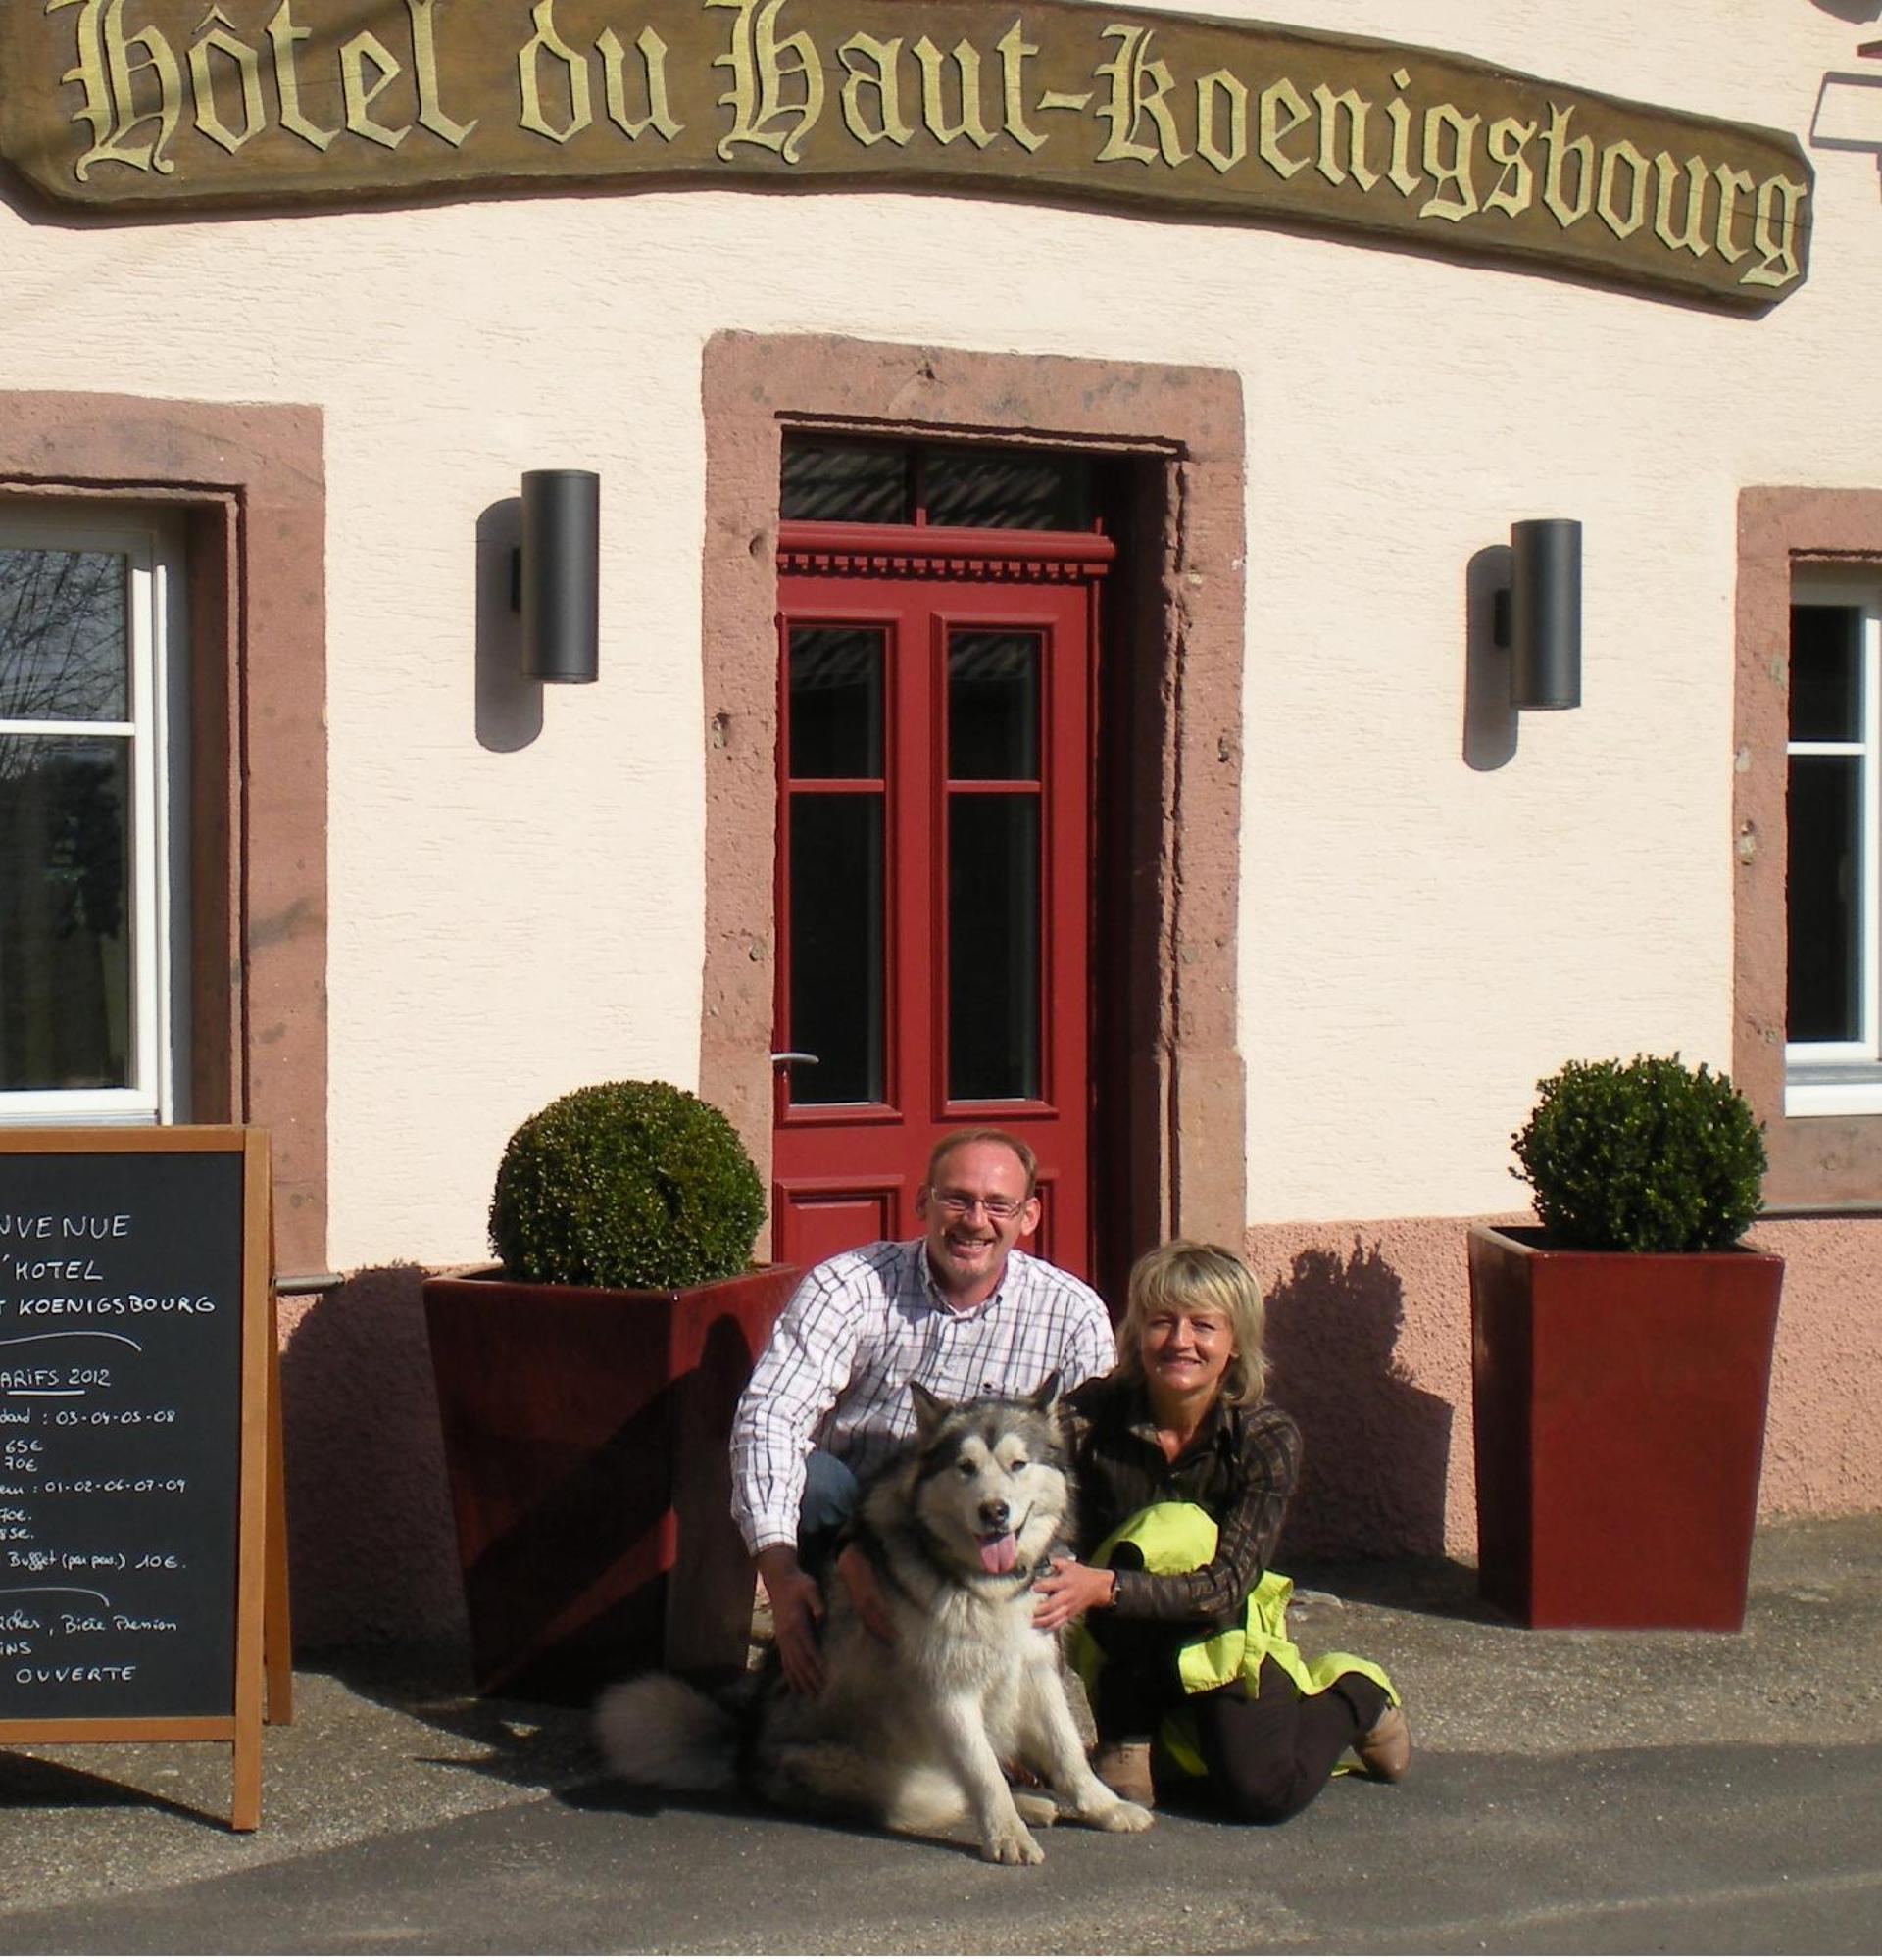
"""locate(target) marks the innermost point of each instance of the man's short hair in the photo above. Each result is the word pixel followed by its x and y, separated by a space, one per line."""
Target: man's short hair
pixel 957 1139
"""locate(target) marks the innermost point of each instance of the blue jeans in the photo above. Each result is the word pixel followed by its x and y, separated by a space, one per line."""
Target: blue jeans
pixel 830 1492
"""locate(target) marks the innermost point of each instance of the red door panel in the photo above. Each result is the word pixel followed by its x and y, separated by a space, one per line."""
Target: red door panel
pixel 934 875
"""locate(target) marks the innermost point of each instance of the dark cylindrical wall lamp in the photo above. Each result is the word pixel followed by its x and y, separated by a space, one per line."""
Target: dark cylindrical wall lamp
pixel 1544 613
pixel 560 577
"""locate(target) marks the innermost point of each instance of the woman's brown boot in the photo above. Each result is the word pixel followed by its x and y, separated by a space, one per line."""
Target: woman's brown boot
pixel 1125 1769
pixel 1385 1750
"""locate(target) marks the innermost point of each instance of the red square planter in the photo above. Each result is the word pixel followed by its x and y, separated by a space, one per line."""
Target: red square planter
pixel 1618 1408
pixel 586 1434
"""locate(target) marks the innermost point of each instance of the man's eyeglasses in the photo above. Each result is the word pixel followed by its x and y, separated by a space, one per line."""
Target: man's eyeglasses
pixel 957 1204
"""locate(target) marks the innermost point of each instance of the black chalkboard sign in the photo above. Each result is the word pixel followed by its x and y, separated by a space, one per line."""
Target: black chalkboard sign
pixel 134 1381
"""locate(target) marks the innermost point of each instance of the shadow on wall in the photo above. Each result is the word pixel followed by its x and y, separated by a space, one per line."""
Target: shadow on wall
pixel 1489 713
pixel 1378 1449
pixel 508 709
pixel 371 1545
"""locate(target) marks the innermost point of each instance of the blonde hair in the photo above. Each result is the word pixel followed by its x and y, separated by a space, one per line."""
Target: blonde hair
pixel 1187 1273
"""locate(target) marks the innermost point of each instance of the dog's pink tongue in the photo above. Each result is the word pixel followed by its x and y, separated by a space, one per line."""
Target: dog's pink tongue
pixel 1000 1555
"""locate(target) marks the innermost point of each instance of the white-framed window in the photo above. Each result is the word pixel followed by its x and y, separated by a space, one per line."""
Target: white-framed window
pixel 93 854
pixel 1833 1048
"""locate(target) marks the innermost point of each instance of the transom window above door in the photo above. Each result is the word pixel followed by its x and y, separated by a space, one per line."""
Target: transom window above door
pixel 966 486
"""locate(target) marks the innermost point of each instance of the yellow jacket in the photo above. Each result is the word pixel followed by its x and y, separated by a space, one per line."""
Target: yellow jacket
pixel 1178 1537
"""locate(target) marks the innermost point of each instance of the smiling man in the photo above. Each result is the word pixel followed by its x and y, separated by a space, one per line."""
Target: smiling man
pixel 960 1310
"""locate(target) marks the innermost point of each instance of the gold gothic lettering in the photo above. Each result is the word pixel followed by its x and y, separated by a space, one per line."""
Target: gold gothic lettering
pixel 762 63
pixel 1224 153
pixel 572 88
pixel 175 102
pixel 1614 160
pixel 1455 197
pixel 1775 229
pixel 1278 97
pixel 880 76
pixel 1508 145
pixel 425 60
pixel 1559 152
pixel 967 63
pixel 247 67
pixel 106 70
pixel 1138 85
pixel 283 31
pixel 1404 179
pixel 360 95
pixel 1329 162
pixel 652 52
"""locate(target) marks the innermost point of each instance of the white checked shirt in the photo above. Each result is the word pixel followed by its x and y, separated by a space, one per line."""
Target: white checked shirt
pixel 858 1329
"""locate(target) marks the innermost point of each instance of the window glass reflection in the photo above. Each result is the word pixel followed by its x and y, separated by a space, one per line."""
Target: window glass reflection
pixel 836 926
pixel 836 482
pixel 63 648
pixel 993 707
pixel 65 937
pixel 1006 489
pixel 1826 691
pixel 836 701
pixel 1825 925
pixel 993 947
pixel 831 479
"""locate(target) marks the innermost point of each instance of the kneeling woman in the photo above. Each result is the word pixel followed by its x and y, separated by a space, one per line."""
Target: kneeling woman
pixel 1185 1478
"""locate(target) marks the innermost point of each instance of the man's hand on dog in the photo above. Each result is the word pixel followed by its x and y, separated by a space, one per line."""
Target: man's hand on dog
pixel 866 1594
pixel 796 1607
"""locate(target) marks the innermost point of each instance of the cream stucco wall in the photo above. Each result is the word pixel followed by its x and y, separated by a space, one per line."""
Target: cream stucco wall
pixel 1421 939
pixel 518 909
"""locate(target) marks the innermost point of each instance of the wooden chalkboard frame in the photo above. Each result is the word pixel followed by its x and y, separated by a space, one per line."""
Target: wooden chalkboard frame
pixel 261 1674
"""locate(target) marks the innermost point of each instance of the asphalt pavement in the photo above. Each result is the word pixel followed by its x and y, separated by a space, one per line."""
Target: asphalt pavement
pixel 1571 1792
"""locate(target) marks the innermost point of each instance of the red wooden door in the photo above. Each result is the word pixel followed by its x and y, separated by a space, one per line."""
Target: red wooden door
pixel 934 871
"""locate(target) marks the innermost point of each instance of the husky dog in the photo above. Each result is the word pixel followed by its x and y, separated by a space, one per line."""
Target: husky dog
pixel 912 1734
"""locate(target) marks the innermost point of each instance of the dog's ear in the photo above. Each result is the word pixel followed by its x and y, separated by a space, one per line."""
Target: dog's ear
pixel 930 1409
pixel 1046 1395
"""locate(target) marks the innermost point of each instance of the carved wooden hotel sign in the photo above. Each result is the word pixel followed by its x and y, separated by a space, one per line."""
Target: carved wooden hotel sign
pixel 178 103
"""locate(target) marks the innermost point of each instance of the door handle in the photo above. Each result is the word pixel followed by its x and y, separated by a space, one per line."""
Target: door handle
pixel 786 1056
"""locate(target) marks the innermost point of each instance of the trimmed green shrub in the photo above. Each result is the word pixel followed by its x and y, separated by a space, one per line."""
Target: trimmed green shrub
pixel 1642 1156
pixel 626 1184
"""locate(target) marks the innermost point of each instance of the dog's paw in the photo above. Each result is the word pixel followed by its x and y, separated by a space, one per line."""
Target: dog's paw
pixel 1121 1816
pixel 1035 1807
pixel 1011 1846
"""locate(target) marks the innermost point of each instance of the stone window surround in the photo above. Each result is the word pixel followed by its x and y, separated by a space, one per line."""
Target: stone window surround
pixel 1187 1172
pixel 1815 1161
pixel 249 482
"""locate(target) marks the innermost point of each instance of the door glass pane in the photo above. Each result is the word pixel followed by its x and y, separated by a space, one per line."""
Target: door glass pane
pixel 845 482
pixel 836 701
pixel 1827 673
pixel 1006 489
pixel 836 928
pixel 1825 922
pixel 64 938
pixel 993 947
pixel 63 648
pixel 993 707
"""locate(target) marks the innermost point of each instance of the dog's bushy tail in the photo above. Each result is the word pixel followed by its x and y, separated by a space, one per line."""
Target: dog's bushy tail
pixel 656 1730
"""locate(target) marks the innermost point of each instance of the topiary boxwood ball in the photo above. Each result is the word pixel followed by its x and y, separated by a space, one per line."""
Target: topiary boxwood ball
pixel 626 1184
pixel 1649 1155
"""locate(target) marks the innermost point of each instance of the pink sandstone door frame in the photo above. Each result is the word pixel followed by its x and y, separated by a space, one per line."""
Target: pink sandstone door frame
pixel 1184 1171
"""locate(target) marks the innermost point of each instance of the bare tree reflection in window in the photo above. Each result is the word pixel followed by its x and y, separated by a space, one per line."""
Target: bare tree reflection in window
pixel 64 815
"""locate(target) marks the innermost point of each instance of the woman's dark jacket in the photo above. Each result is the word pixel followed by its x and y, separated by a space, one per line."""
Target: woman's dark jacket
pixel 1241 1469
